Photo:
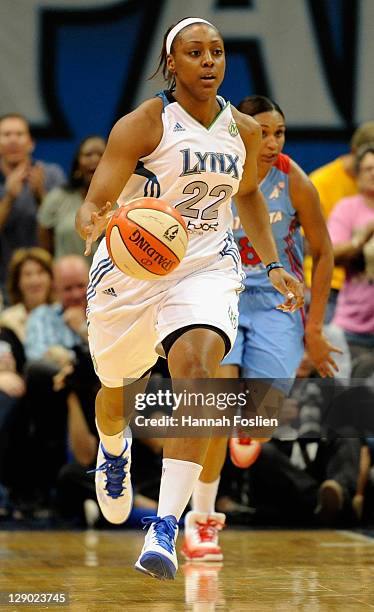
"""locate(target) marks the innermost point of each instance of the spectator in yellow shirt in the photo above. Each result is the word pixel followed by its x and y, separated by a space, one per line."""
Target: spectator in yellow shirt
pixel 334 181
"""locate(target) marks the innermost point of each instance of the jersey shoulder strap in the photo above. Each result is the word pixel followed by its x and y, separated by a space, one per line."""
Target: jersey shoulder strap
pixel 166 97
pixel 283 163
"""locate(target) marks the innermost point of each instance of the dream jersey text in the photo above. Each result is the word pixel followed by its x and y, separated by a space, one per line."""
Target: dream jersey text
pixel 284 224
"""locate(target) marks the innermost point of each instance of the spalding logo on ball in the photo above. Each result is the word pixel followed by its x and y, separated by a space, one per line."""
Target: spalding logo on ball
pixel 147 238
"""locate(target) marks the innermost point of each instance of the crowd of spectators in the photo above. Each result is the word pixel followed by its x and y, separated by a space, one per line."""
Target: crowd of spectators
pixel 318 466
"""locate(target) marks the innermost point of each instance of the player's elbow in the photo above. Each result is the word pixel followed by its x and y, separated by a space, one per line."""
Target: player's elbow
pixel 323 249
pixel 323 255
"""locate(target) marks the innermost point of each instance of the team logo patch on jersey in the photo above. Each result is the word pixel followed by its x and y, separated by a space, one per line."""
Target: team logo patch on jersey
pixel 179 128
pixel 277 190
pixel 110 291
pixel 233 129
pixel 171 232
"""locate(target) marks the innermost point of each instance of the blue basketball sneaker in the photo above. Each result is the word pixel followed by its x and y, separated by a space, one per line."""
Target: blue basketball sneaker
pixel 113 484
pixel 158 557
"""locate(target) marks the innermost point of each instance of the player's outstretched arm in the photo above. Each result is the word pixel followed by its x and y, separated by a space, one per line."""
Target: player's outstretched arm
pixel 134 136
pixel 305 200
pixel 254 215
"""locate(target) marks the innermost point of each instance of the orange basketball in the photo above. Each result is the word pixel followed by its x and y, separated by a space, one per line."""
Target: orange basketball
pixel 147 238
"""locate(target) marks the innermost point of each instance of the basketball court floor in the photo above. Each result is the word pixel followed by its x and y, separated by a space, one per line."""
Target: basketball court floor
pixel 312 571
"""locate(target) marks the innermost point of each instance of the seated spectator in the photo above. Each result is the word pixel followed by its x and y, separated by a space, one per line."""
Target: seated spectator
pixel 354 408
pixel 54 329
pixel 351 227
pixel 311 476
pixel 56 336
pixel 75 485
pixel 335 181
pixel 57 212
pixel 307 481
pixel 29 286
pixel 313 471
pixel 12 390
pixel 23 184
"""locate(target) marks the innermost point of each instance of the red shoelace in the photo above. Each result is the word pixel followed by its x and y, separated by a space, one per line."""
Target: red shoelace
pixel 207 530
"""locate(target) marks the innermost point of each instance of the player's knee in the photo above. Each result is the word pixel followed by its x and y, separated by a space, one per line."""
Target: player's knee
pixel 111 400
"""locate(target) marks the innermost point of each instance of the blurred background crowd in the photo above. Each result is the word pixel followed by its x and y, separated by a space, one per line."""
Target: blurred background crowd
pixel 47 382
pixel 48 439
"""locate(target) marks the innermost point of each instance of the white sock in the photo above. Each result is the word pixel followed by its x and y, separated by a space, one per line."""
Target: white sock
pixel 204 496
pixel 177 483
pixel 114 445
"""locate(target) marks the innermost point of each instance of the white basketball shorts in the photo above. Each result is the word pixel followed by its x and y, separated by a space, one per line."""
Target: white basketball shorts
pixel 129 318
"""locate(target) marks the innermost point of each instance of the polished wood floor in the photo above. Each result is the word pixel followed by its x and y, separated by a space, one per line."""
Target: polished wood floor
pixel 312 571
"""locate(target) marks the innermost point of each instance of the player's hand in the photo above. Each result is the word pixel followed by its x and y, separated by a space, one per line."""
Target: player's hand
pixel 288 286
pixel 319 350
pixel 96 226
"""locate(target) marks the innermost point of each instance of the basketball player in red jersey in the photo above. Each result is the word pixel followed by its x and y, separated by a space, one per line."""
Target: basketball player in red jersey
pixel 270 344
pixel 191 148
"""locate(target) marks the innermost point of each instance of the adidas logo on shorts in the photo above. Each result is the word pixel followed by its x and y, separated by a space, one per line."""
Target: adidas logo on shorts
pixel 179 128
pixel 110 291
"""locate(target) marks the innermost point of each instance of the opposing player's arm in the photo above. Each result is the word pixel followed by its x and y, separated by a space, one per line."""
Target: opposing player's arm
pixel 305 200
pixel 254 215
pixel 134 136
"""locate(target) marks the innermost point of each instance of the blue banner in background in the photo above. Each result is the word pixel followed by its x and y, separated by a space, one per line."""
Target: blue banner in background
pixel 73 67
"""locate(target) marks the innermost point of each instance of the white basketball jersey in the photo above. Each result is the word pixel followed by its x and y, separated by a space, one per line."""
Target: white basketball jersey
pixel 197 170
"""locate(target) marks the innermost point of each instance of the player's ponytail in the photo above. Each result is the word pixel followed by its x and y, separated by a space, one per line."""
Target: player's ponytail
pixel 162 65
pixel 254 105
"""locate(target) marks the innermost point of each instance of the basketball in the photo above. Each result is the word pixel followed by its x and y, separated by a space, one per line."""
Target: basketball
pixel 147 238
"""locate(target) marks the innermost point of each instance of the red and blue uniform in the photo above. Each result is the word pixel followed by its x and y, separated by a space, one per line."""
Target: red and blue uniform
pixel 270 343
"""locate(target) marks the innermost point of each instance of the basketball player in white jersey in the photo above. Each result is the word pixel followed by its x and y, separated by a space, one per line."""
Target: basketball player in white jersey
pixel 192 149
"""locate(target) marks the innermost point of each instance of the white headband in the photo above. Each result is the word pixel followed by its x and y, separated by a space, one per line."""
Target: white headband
pixel 182 24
